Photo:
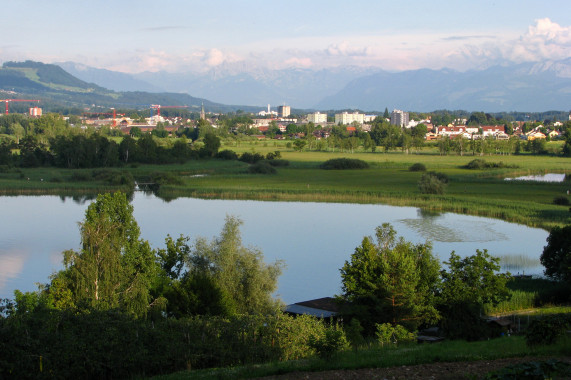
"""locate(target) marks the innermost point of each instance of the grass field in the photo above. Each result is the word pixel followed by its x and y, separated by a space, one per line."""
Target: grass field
pixel 388 181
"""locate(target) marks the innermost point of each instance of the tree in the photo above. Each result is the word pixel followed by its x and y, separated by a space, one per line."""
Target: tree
pixel 211 145
pixel 239 272
pixel 468 285
pixel 556 256
pixel 114 268
pixel 390 281
pixel 299 144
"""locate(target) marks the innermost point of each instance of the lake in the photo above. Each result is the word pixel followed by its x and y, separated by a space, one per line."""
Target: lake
pixel 314 239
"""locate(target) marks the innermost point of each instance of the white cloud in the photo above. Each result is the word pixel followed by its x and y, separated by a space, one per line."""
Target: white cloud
pixel 546 40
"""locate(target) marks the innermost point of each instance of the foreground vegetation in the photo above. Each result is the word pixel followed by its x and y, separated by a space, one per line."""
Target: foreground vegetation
pixel 376 356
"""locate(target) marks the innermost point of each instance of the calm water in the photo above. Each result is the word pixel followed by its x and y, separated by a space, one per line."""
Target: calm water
pixel 314 239
pixel 549 177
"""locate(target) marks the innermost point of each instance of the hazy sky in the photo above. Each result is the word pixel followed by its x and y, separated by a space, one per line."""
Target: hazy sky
pixel 179 35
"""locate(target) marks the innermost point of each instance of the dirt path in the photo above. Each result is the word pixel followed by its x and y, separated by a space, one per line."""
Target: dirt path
pixel 455 370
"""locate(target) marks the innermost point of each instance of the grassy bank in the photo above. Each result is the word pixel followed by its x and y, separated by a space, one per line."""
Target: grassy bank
pixel 389 356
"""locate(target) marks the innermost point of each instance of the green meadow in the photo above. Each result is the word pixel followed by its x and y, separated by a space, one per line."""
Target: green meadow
pixel 387 180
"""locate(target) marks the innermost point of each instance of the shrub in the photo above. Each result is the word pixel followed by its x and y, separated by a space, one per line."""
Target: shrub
pixel 262 167
pixel 547 330
pixel 251 158
pixel 479 163
pixel 344 164
pixel 562 200
pixel 387 333
pixel 431 183
pixel 332 340
pixel 227 154
pixel 418 167
pixel 165 178
pixel 274 155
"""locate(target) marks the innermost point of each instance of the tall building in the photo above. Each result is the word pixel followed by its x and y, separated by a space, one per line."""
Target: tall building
pixel 399 118
pixel 348 118
pixel 202 113
pixel 284 111
pixel 317 117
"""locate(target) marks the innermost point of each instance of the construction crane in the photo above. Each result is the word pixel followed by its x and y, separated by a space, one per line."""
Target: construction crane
pixel 158 108
pixel 16 100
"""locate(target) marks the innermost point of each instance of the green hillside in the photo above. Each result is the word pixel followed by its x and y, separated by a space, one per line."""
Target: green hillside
pixel 58 89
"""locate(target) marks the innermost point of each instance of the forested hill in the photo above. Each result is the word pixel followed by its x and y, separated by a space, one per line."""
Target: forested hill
pixel 56 89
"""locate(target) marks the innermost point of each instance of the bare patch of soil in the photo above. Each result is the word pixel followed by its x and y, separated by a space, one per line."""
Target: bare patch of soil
pixel 453 370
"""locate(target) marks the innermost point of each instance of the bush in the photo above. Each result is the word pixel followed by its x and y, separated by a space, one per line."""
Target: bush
pixel 251 158
pixel 562 200
pixel 547 330
pixel 165 178
pixel 262 167
pixel 418 167
pixel 344 164
pixel 332 340
pixel 387 333
pixel 227 154
pixel 479 163
pixel 274 155
pixel 431 183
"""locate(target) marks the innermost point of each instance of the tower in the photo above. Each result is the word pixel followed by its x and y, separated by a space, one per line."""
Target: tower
pixel 202 113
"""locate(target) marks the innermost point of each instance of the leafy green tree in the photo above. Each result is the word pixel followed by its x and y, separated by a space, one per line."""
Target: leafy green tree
pixel 299 144
pixel 390 281
pixel 556 256
pixel 468 285
pixel 114 268
pixel 211 145
pixel 222 277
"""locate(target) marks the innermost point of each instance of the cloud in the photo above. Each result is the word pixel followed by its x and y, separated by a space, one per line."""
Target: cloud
pixel 546 40
pixel 347 50
pixel 299 62
pixel 465 38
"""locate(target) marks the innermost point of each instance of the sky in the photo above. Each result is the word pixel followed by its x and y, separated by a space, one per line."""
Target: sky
pixel 180 35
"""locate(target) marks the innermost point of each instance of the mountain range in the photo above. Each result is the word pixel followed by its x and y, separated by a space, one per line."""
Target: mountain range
pixel 529 87
pixel 522 87
pixel 56 88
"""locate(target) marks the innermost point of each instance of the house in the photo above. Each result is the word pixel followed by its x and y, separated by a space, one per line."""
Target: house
pixel 325 307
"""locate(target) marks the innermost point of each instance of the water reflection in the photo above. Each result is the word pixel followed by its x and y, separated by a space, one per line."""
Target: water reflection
pixel 314 239
pixel 549 177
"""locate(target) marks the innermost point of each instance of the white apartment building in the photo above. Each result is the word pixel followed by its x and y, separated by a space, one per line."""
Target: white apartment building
pixel 348 118
pixel 317 118
pixel 399 118
pixel 284 111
